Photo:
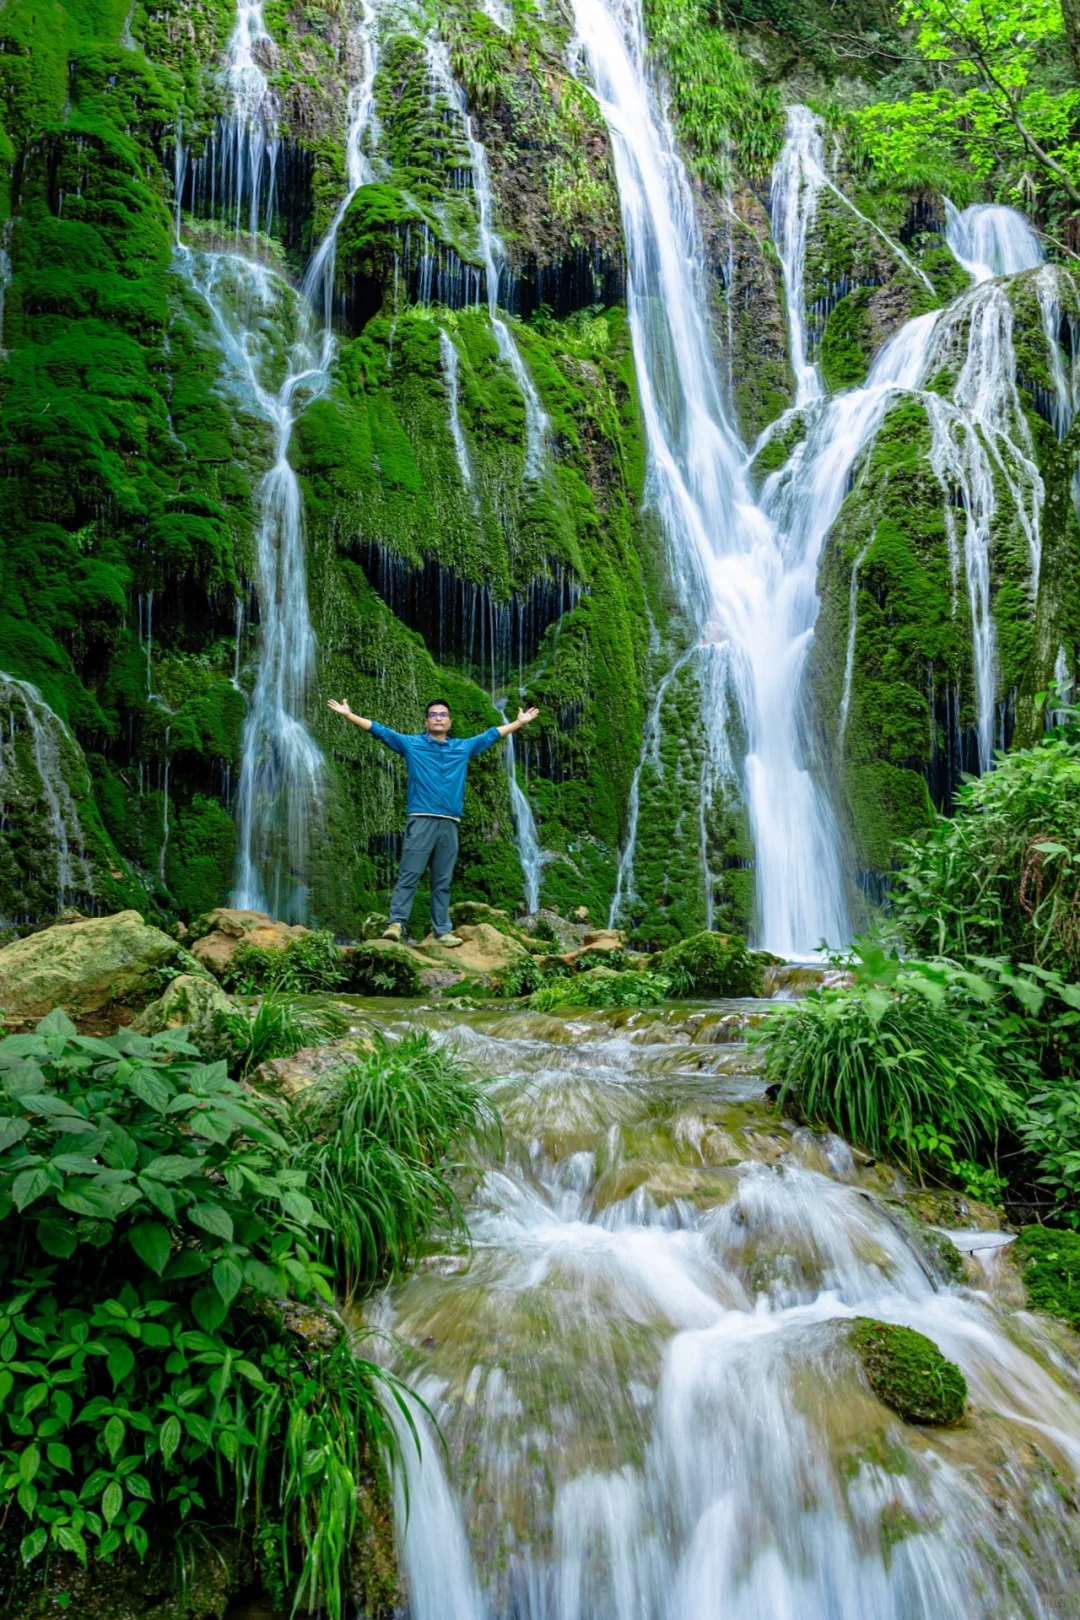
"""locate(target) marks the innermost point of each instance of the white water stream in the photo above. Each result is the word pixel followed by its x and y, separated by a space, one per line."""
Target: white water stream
pixel 61 836
pixel 642 1375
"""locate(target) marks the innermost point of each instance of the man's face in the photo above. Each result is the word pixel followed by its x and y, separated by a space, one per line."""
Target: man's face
pixel 438 720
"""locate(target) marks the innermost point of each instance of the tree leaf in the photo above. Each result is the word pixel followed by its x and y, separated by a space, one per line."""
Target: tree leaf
pixel 30 1185
pixel 33 1544
pixel 120 1363
pixel 138 1485
pixel 57 1237
pixel 71 1541
pixel 59 1456
pixel 212 1218
pixel 115 1430
pixel 150 1240
pixel 227 1279
pixel 29 1463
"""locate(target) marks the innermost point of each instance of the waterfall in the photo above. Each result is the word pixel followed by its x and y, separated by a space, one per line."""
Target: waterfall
pixel 494 257
pixel 990 240
pixel 1064 401
pixel 796 183
pixel 849 657
pixel 252 122
pixel 49 738
pixel 449 356
pixel 526 838
pixel 319 277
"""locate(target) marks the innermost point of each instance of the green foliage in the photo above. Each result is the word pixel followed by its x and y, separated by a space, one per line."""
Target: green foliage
pixel 1050 1266
pixel 601 987
pixel 383 970
pixel 520 978
pixel 1002 876
pixel 714 965
pixel 718 101
pixel 898 1062
pixel 152 1380
pixel 379 1143
pixel 997 94
pixel 907 1371
pixel 308 963
pixel 274 1027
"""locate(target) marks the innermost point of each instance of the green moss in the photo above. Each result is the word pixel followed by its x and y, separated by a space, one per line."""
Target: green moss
pixel 716 965
pixel 907 1371
pixel 1050 1267
pixel 846 342
pixel 382 970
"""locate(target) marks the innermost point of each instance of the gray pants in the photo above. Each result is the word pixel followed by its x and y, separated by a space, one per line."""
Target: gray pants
pixel 429 840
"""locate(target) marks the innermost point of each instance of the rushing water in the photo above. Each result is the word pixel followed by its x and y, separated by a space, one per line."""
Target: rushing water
pixel 990 240
pixel 52 752
pixel 642 1376
pixel 526 837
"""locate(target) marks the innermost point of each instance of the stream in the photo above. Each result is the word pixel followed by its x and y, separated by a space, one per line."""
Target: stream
pixel 641 1374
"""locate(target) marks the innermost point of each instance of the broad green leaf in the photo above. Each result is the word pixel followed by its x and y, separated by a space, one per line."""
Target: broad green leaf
pixel 34 1397
pixel 56 1022
pixel 188 1263
pixel 57 1237
pixel 227 1279
pixel 198 1428
pixel 138 1485
pixel 59 1456
pixel 150 1240
pixel 71 1541
pixel 33 1544
pixel 300 1208
pixel 173 1167
pixel 112 1501
pixel 150 1088
pixel 159 1195
pixel 252 1373
pixel 121 1363
pixel 7 1384
pixel 213 1219
pixel 12 1131
pixel 115 1430
pixel 169 1438
pixel 209 1309
pixel 29 1463
pixel 30 1185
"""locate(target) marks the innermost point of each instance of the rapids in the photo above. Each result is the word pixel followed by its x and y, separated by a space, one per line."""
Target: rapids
pixel 640 1372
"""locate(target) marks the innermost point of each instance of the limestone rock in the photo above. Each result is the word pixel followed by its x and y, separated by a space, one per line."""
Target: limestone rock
pixel 83 966
pixel 485 950
pixel 289 1077
pixel 603 939
pixel 192 1001
pixel 218 934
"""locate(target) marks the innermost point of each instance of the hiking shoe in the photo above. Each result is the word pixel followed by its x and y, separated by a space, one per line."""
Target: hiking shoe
pixel 395 931
pixel 449 939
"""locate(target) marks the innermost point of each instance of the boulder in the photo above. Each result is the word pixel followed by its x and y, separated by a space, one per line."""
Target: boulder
pixel 192 1001
pixel 84 966
pixel 603 939
pixel 218 934
pixel 291 1076
pixel 486 950
pixel 548 924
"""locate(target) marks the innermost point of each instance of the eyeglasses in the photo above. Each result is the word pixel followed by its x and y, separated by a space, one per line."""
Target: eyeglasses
pixel 438 714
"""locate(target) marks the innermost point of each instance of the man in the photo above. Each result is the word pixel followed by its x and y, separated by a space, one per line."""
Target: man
pixel 435 799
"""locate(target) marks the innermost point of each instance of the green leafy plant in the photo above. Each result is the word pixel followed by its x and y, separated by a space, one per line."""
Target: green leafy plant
pixel 312 962
pixel 274 1027
pixel 154 1232
pixel 605 989
pixel 715 965
pixel 520 978
pixel 900 1062
pixel 379 1143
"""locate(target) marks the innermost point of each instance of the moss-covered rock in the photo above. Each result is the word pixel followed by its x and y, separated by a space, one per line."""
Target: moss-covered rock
pixel 907 1371
pixel 190 1001
pixel 715 964
pixel 1050 1267
pixel 86 966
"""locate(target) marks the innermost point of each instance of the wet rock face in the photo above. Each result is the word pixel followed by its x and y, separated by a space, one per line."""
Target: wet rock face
pixel 83 967
pixel 907 1371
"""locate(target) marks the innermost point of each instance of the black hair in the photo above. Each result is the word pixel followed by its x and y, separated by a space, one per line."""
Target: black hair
pixel 436 703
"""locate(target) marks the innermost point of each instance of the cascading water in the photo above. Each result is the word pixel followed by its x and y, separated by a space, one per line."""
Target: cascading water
pixel 61 832
pixel 643 1377
pixel 450 365
pixel 1066 390
pixel 990 240
pixel 494 257
pixel 746 570
pixel 526 837
pixel 796 182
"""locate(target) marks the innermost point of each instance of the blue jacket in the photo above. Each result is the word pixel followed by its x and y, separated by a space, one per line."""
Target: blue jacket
pixel 436 769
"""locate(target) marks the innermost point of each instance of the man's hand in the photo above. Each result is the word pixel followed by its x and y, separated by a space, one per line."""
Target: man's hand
pixel 343 709
pixel 523 718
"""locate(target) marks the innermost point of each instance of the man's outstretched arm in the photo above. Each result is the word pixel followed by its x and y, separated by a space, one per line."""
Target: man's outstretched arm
pixel 392 739
pixel 523 718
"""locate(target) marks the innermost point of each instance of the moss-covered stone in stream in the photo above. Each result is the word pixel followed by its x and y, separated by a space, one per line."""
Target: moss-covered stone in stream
pixel 715 964
pixel 1050 1268
pixel 907 1371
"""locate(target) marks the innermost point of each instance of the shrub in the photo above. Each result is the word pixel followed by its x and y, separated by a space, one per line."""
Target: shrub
pixel 603 988
pixel 152 1227
pixel 273 1028
pixel 378 1142
pixel 382 970
pixel 908 1372
pixel 520 978
pixel 715 965
pixel 1002 877
pixel 311 963
pixel 898 1063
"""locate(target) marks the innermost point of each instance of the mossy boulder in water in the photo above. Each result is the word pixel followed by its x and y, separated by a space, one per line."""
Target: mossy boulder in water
pixel 907 1371
pixel 1050 1267
pixel 85 966
pixel 715 964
